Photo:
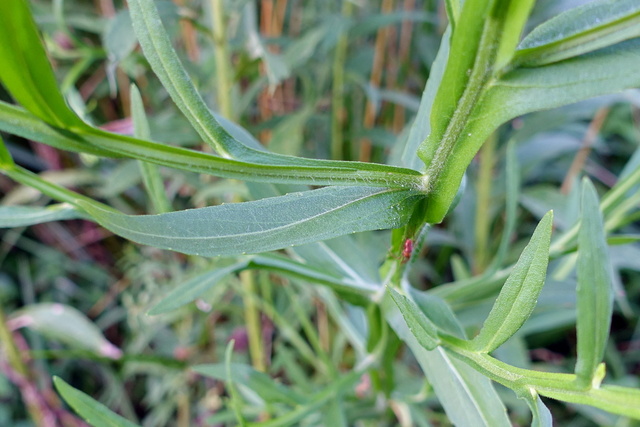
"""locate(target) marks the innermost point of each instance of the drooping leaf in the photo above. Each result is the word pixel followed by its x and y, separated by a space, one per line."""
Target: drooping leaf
pixel 263 225
pixel 65 324
pixel 519 294
pixel 93 412
pixel 20 216
pixel 595 291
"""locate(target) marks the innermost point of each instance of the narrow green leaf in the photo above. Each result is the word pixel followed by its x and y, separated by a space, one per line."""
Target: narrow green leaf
pixel 514 14
pixel 166 64
pixel 65 324
pixel 541 414
pixel 93 412
pixel 20 216
pixel 26 72
pixel 150 172
pixel 583 29
pixel 595 291
pixel 6 161
pixel 421 327
pixel 263 225
pixel 421 127
pixel 520 292
pixel 453 11
pixel 193 288
pixel 103 143
pixel 618 400
pixel 259 382
pixel 353 291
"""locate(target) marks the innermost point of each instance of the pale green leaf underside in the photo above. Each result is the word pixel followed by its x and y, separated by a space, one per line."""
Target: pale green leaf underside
pixel 22 216
pixel 93 412
pixel 579 30
pixel 263 225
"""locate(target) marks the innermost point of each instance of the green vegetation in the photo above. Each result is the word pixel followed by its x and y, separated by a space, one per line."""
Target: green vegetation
pixel 271 229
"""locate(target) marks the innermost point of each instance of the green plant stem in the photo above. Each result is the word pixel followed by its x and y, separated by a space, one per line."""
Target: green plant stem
pixel 337 91
pixel 252 319
pixel 483 204
pixel 224 81
pixel 480 75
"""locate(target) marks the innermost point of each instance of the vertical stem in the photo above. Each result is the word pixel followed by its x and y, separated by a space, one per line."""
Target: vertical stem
pixel 252 319
pixel 224 82
pixel 483 204
pixel 337 92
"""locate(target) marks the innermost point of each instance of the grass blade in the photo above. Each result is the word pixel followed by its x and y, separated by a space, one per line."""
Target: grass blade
pixel 21 216
pixel 93 412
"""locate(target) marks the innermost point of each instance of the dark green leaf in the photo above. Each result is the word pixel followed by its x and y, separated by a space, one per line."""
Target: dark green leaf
pixel 595 291
pixel 520 292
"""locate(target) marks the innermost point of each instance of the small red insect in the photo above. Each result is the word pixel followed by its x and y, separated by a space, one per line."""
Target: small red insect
pixel 407 250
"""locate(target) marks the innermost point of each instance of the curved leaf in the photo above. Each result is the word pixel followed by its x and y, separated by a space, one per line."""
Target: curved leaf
pixel 92 411
pixel 263 225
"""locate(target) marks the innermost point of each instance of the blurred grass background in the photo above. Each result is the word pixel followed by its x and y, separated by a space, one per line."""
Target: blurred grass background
pixel 327 79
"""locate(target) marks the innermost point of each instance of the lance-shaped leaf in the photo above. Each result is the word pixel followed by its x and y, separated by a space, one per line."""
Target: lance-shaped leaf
pixel 595 291
pixel 92 411
pixel 420 326
pixel 263 225
pixel 99 142
pixel 519 293
pixel 583 29
pixel 26 71
pixel 20 216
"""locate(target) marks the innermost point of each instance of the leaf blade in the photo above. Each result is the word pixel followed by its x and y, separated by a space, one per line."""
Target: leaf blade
pixel 594 291
pixel 92 411
pixel 519 294
pixel 263 225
